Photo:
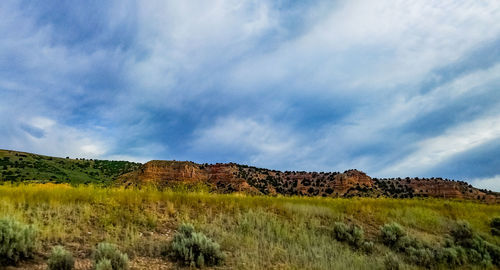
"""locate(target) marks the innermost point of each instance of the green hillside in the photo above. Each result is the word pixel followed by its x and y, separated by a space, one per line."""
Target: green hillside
pixel 21 167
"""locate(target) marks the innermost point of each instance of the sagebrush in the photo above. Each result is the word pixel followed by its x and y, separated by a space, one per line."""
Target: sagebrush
pixel 353 235
pixel 60 259
pixel 195 249
pixel 17 241
pixel 107 251
pixel 104 264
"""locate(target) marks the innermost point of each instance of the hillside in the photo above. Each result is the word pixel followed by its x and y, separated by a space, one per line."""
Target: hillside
pixel 339 220
pixel 292 232
pixel 20 167
pixel 228 177
pixel 232 177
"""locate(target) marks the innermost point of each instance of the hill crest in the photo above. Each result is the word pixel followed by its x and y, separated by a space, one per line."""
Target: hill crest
pixel 230 177
pixel 18 166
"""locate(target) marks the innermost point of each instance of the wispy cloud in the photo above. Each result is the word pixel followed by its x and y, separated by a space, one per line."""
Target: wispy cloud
pixel 456 140
pixel 260 141
pixel 491 183
pixel 44 135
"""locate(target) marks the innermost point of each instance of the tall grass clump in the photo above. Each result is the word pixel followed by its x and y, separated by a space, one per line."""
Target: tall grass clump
pixel 17 241
pixel 495 226
pixel 391 262
pixel 353 235
pixel 195 249
pixel 109 252
pixel 60 259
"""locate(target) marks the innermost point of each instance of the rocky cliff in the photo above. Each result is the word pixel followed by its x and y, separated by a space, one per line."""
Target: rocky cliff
pixel 164 173
pixel 231 177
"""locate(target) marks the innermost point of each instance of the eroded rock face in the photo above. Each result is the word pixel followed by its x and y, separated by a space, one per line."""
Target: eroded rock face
pixel 434 187
pixel 164 173
pixel 171 171
pixel 351 179
pixel 230 177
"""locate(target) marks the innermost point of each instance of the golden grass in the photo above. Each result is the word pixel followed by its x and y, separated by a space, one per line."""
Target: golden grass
pixel 257 232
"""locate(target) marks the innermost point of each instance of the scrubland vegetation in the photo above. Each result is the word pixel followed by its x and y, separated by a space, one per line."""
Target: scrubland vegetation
pixel 16 167
pixel 147 229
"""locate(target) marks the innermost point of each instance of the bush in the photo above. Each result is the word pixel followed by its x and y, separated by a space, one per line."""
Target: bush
pixel 341 231
pixel 195 249
pixel 391 234
pixel 391 262
pixel 462 233
pixel 494 252
pixel 107 251
pixel 495 226
pixel 60 259
pixel 421 256
pixel 104 264
pixel 417 252
pixel 406 242
pixel 452 255
pixel 368 246
pixel 353 234
pixel 478 250
pixel 17 241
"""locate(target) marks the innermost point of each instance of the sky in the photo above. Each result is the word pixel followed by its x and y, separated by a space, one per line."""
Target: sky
pixel 389 87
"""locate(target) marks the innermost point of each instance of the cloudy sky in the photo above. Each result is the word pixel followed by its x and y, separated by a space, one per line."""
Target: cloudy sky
pixel 391 87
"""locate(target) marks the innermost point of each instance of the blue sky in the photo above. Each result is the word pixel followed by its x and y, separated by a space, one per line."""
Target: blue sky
pixel 393 88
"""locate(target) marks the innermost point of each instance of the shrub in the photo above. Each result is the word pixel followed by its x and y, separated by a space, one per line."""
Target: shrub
pixel 478 250
pixel 60 259
pixel 391 262
pixel 391 234
pixel 406 242
pixel 421 256
pixel 452 255
pixel 417 252
pixel 195 249
pixel 107 251
pixel 357 236
pixel 495 226
pixel 462 233
pixel 104 264
pixel 17 241
pixel 494 252
pixel 353 234
pixel 368 246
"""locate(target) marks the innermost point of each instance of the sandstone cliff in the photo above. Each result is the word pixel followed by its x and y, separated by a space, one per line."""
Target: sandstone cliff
pixel 230 177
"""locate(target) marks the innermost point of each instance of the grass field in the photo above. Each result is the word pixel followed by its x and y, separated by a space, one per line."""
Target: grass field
pixel 255 232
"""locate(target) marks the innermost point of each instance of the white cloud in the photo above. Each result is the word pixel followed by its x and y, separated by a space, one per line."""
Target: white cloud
pixel 263 141
pixel 491 183
pixel 455 140
pixel 187 43
pixel 380 125
pixel 374 45
pixel 43 135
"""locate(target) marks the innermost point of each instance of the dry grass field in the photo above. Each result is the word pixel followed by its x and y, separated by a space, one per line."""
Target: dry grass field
pixel 254 232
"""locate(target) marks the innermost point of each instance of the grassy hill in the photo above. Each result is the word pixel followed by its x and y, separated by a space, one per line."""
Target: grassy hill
pixel 21 167
pixel 254 232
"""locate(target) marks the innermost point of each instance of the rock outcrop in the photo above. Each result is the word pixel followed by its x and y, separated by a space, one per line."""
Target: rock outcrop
pixel 163 173
pixel 231 177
